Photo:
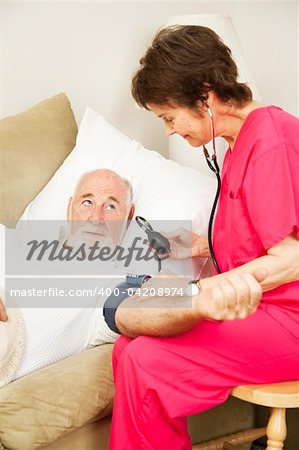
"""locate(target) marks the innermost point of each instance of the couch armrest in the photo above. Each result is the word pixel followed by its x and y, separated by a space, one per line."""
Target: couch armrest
pixel 38 409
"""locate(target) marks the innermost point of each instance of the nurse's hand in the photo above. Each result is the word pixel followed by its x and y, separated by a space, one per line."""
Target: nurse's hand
pixel 230 296
pixel 184 244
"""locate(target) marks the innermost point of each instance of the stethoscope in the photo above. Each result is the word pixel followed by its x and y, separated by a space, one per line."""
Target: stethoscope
pixel 161 244
pixel 213 165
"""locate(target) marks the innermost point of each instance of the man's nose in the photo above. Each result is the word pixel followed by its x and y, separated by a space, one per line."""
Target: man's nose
pixel 96 215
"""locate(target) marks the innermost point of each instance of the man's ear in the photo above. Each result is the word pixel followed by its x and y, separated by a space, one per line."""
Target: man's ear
pixel 131 213
pixel 69 209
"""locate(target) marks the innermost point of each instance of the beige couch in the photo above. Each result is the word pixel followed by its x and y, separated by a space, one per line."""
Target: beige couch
pixel 66 406
pixel 68 398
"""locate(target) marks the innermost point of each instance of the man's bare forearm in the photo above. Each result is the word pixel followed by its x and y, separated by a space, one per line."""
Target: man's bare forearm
pixel 152 313
pixel 156 316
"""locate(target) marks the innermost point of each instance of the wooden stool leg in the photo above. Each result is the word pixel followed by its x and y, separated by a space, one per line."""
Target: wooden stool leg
pixel 276 429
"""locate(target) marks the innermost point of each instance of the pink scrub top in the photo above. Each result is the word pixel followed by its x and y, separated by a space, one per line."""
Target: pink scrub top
pixel 259 201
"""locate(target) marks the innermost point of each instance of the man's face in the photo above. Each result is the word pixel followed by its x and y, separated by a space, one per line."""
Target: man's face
pixel 100 209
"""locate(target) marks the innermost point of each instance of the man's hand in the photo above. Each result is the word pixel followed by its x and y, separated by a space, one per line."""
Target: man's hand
pixel 184 244
pixel 3 315
pixel 230 296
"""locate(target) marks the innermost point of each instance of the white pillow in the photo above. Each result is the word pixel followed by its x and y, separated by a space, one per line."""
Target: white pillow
pixel 162 189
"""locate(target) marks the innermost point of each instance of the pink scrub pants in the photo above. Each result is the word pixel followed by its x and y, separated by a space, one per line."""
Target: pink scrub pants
pixel 160 381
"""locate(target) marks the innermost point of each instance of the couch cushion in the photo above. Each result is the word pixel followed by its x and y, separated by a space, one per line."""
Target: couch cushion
pixel 38 409
pixel 33 145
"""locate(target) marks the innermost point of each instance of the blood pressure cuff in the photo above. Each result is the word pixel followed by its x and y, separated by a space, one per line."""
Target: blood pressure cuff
pixel 119 294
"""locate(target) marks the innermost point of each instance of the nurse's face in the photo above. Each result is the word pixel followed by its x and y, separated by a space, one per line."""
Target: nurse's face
pixel 192 125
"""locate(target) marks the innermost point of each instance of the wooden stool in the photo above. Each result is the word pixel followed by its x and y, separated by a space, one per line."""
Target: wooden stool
pixel 277 396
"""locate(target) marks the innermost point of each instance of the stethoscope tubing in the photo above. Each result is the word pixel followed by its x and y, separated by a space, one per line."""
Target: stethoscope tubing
pixel 211 220
pixel 213 165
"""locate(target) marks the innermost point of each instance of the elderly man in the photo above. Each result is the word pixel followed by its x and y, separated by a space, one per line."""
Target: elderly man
pixel 99 211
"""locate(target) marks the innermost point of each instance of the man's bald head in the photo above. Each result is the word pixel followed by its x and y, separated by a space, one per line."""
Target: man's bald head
pixel 107 175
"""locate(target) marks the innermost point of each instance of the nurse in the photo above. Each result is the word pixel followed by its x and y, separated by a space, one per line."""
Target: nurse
pixel 186 75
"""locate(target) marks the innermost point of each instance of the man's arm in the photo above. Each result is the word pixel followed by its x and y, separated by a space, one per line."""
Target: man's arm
pixel 232 297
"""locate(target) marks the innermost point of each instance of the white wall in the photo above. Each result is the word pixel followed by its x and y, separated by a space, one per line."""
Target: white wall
pixel 90 50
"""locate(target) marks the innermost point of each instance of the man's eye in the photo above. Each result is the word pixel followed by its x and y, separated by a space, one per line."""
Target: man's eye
pixel 111 207
pixel 87 202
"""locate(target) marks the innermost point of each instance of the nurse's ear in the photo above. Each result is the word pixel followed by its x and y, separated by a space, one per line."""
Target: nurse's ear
pixel 211 99
pixel 216 104
pixel 202 101
pixel 206 101
pixel 201 105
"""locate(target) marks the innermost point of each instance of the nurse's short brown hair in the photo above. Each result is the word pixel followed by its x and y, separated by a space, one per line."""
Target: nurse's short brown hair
pixel 182 65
